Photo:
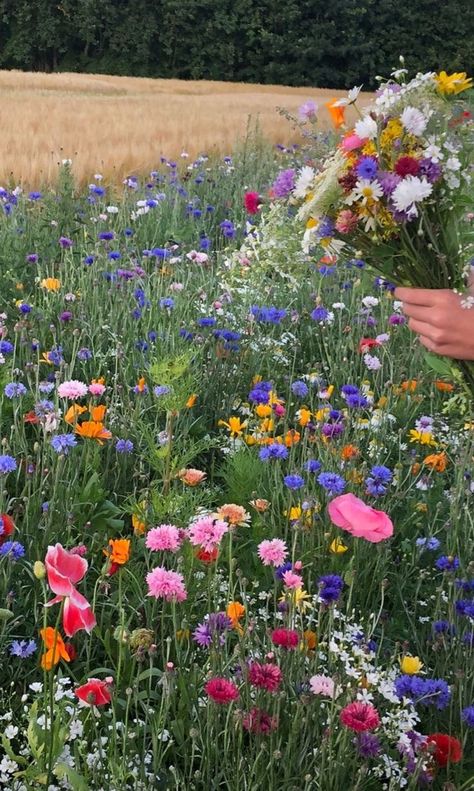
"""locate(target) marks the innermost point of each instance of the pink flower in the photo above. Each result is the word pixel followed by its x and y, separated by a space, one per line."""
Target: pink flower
pixel 97 389
pixel 322 685
pixel 259 721
pixel 272 552
pixel 163 538
pixel 360 717
pixel 207 532
pixel 252 202
pixel 346 221
pixel 292 580
pixel 64 569
pixel 351 142
pixel 221 691
pixel 352 514
pixel 72 389
pixel 286 638
pixel 95 692
pixel 164 584
pixel 266 676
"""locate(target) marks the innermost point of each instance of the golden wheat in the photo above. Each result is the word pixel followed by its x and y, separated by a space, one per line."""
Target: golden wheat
pixel 122 125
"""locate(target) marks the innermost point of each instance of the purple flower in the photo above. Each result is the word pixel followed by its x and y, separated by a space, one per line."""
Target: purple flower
pixel 332 429
pixel 368 745
pixel 465 607
pixel 313 465
pixel 332 482
pixel 293 481
pixel 84 354
pixel 428 543
pixel 447 563
pixel 395 318
pixel 32 258
pixel 468 716
pixel 7 464
pixel 423 691
pixel 22 648
pixel 430 169
pixel 319 314
pixel 15 390
pixel 12 550
pixel 124 446
pixel 284 183
pixel 274 451
pixel 269 315
pixel 161 390
pixel 388 182
pixel 65 243
pixel 308 110
pixel 367 167
pixel 299 389
pixel 65 316
pixel 377 482
pixel 330 587
pixel 62 443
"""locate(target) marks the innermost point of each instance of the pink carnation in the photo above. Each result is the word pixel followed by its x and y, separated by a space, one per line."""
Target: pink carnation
pixel 221 691
pixel 352 514
pixel 272 552
pixel 259 721
pixel 322 685
pixel 207 532
pixel 163 538
pixel 164 584
pixel 292 580
pixel 360 717
pixel 346 221
pixel 286 638
pixel 97 389
pixel 351 142
pixel 266 676
pixel 72 389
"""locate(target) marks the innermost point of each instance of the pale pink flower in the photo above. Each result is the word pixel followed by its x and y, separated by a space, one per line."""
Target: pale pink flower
pixel 272 552
pixel 292 580
pixel 163 538
pixel 207 532
pixel 346 221
pixel 322 685
pixel 72 389
pixel 97 389
pixel 351 142
pixel 352 514
pixel 164 584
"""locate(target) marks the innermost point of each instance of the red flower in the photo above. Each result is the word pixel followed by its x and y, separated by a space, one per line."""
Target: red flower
pixel 7 527
pixel 287 638
pixel 207 557
pixel 31 417
pixel 367 343
pixel 360 717
pixel 71 651
pixel 407 166
pixel 64 570
pixel 259 721
pixel 252 202
pixel 266 676
pixel 95 692
pixel 221 691
pixel 447 749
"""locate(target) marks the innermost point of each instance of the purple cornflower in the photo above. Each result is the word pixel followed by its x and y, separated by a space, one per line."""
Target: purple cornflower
pixel 348 390
pixel 308 110
pixel 388 182
pixel 293 481
pixel 395 318
pixel 7 464
pixel 368 745
pixel 65 243
pixel 468 716
pixel 332 482
pixel 32 258
pixel 325 228
pixel 46 387
pixel 423 691
pixel 284 183
pixel 62 443
pixel 367 167
pixel 22 648
pixel 274 451
pixel 299 389
pixel 330 587
pixel 12 550
pixel 332 429
pixel 378 479
pixel 260 394
pixel 430 169
pixel 228 229
pixel 42 408
pixel 84 354
pixel 447 563
pixel 65 316
pixel 124 446
pixel 34 196
pixel 15 390
pixel 214 626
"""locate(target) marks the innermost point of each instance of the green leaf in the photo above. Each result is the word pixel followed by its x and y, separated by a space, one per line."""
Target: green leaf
pixel 77 781
pixel 5 615
pixel 438 364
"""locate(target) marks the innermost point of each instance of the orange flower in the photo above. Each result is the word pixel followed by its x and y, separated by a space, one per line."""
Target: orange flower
pixel 73 413
pixel 51 283
pixel 349 452
pixel 139 527
pixel 233 514
pixel 292 437
pixel 141 384
pixel 55 648
pixel 266 426
pixel 97 413
pixel 263 410
pixel 415 468
pixel 119 551
pixel 409 386
pixel 444 387
pixel 304 416
pixel 91 429
pixel 235 611
pixel 336 113
pixel 191 477
pixel 437 461
pixel 191 400
pixel 310 640
pixel 260 505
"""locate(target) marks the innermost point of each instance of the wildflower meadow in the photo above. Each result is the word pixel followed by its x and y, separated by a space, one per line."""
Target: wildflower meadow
pixel 237 519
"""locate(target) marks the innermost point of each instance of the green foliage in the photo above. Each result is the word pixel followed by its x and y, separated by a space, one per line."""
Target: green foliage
pixel 312 42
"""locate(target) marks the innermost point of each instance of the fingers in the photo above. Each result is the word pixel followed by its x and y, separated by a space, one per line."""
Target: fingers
pixel 417 296
pixel 419 312
pixel 425 329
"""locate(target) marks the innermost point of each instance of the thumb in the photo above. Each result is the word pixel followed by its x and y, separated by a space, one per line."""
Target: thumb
pixel 470 280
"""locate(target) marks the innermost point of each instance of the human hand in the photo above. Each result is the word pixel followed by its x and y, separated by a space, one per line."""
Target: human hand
pixel 437 316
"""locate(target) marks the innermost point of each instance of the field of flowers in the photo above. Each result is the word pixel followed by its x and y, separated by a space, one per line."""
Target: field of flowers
pixel 236 506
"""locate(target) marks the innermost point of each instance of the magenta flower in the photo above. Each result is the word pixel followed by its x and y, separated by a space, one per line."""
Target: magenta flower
pixel 163 538
pixel 207 532
pixel 164 584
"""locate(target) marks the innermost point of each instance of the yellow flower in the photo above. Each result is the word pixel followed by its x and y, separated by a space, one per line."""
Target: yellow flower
pixel 411 665
pixel 294 513
pixel 191 400
pixel 51 283
pixel 423 437
pixel 234 425
pixel 298 597
pixel 304 416
pixel 369 148
pixel 312 223
pixel 451 84
pixel 249 440
pixel 321 414
pixel 337 547
pixel 138 526
pixel 263 410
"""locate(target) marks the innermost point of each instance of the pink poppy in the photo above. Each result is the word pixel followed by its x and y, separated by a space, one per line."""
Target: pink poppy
pixel 350 513
pixel 95 692
pixel 64 569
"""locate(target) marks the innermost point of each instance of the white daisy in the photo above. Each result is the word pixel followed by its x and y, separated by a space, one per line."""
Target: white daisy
pixel 351 97
pixel 364 191
pixel 414 121
pixel 303 182
pixel 366 128
pixel 410 191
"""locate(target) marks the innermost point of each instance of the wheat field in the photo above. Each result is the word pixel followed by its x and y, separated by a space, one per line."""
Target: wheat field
pixel 122 125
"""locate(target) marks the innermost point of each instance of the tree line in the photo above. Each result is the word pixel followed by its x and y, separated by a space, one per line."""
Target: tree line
pixel 332 43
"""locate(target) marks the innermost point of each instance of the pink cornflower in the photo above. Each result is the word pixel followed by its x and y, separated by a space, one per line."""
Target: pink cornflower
pixel 322 685
pixel 207 532
pixel 346 221
pixel 222 691
pixel 97 389
pixel 266 676
pixel 163 538
pixel 286 638
pixel 164 584
pixel 259 721
pixel 272 552
pixel 292 580
pixel 360 717
pixel 72 389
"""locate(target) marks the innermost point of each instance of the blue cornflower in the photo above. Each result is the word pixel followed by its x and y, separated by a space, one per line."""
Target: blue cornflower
pixel 106 236
pixel 167 302
pixel 260 394
pixel 34 196
pixel 204 243
pixel 142 346
pixel 227 335
pixel 45 507
pixel 207 321
pixel 465 585
pixel 356 401
pixel 428 543
pixel 347 390
pixel 426 692
pixel 443 627
pixel 13 550
pixel 465 607
pixel 23 648
pixel 114 255
pixel 330 587
pixel 332 482
pixel 161 390
pixel 293 481
pixel 228 229
pixel 62 443
pixel 299 389
pixel 357 262
pixel 468 716
pixel 152 336
pixel 43 407
pixel 281 570
pixel 188 336
pixel 313 465
pixel 46 387
pixel 325 228
pixel 84 354
pixel 25 308
pixel 160 252
pixel 366 168
pixel 124 446
pixel 447 563
pixel 6 347
pixel 7 464
pixel 128 232
pixel 326 271
pixel 270 315
pixel 319 314
pixel 377 482
pixel 274 451
pixel 15 390
pixel 55 356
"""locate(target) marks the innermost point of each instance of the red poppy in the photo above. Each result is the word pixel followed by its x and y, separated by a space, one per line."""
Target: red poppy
pixel 367 343
pixel 31 417
pixel 207 557
pixel 95 692
pixel 446 750
pixel 7 527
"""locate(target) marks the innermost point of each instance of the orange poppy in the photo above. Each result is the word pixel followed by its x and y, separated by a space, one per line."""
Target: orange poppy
pixel 235 611
pixel 91 429
pixel 191 400
pixel 444 387
pixel 336 113
pixel 349 452
pixel 437 461
pixel 55 648
pixel 292 437
pixel 73 413
pixel 97 413
pixel 119 551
